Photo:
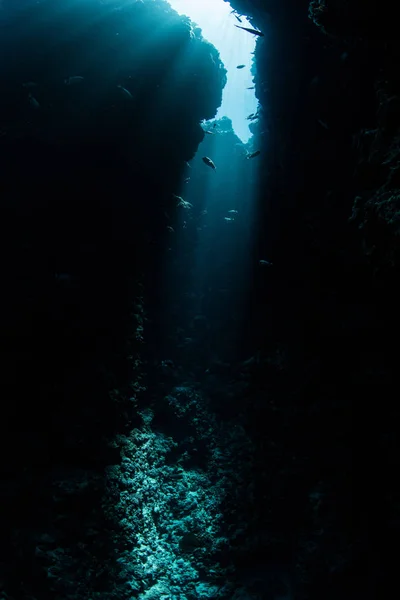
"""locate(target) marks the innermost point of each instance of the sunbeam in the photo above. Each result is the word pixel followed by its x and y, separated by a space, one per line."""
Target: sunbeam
pixel 217 22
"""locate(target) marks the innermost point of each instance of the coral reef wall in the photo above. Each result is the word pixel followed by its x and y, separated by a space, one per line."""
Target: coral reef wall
pixel 94 138
pixel 329 86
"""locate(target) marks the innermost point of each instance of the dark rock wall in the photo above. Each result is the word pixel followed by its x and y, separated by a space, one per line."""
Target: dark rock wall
pixel 88 172
pixel 328 83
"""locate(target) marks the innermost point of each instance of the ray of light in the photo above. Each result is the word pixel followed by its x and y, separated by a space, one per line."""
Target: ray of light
pixel 235 47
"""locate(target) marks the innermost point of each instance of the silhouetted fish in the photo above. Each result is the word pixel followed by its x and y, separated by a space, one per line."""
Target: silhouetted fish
pixel 254 154
pixel 253 31
pixel 73 80
pixel 208 162
pixel 125 92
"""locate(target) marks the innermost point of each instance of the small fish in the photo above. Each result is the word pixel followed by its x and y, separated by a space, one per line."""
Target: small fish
pixel 74 80
pixel 126 92
pixel 209 162
pixel 250 116
pixel 238 18
pixel 63 277
pixel 187 180
pixel 240 66
pixel 265 263
pixel 33 102
pixel 252 87
pixel 232 212
pixel 228 219
pixel 323 124
pixel 254 154
pixel 208 132
pixel 187 164
pixel 249 30
pixel 181 202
